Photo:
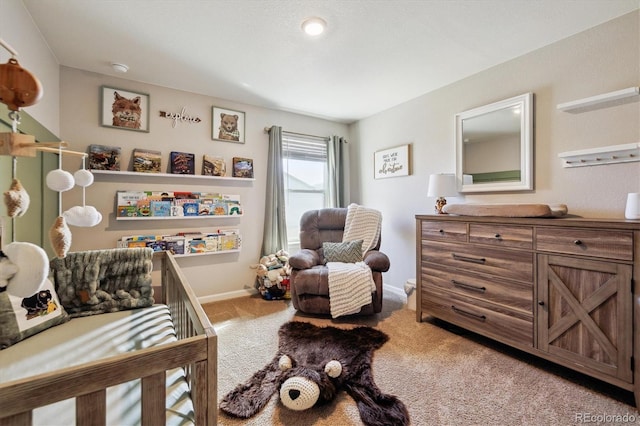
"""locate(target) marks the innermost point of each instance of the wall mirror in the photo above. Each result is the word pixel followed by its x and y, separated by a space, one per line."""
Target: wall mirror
pixel 494 146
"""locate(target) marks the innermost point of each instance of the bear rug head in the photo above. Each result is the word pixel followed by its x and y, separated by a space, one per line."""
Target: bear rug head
pixel 312 365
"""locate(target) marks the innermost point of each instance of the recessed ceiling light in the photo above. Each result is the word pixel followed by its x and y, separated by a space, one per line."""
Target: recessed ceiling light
pixel 119 67
pixel 314 26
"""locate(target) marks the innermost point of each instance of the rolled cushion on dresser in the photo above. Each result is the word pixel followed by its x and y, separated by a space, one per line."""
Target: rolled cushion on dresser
pixel 507 210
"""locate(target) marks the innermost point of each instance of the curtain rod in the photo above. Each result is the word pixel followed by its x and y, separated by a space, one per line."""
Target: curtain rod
pixel 266 130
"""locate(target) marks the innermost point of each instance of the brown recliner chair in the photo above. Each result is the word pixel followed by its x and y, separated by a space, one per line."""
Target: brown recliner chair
pixel 310 276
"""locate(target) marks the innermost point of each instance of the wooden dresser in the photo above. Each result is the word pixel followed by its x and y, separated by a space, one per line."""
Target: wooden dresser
pixel 567 290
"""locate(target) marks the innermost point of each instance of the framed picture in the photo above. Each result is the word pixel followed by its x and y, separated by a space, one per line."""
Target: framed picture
pixel 391 162
pixel 124 109
pixel 228 125
pixel 242 167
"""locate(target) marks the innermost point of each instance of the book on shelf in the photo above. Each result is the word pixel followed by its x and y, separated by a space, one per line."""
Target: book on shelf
pixel 102 157
pixel 186 242
pixel 182 163
pixel 242 167
pixel 160 208
pixel 130 198
pixel 213 166
pixel 171 204
pixel 146 161
pixel 143 208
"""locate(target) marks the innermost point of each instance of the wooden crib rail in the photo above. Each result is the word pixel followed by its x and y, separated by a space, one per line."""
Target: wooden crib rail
pixel 195 350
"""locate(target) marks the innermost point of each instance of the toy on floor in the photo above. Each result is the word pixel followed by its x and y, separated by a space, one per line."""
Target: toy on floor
pixel 312 365
pixel 273 273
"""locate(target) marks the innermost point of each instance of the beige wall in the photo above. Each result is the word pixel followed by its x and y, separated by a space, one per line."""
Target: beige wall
pixel 209 275
pixel 603 59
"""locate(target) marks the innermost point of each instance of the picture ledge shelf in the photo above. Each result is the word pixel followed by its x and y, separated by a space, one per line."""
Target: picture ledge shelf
pixel 209 216
pixel 598 156
pixel 600 101
pixel 208 253
pixel 167 175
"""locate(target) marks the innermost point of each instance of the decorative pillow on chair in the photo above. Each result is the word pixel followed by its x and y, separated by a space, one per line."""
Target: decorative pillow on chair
pixel 346 252
pixel 23 317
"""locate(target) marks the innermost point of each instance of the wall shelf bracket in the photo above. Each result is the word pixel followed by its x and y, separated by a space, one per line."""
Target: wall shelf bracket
pixel 599 156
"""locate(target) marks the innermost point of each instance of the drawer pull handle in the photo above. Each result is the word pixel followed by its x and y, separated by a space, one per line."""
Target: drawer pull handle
pixel 577 242
pixel 480 260
pixel 441 231
pixel 497 236
pixel 541 303
pixel 468 286
pixel 469 314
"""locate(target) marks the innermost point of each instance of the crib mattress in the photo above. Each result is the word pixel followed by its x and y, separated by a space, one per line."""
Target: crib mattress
pixel 92 338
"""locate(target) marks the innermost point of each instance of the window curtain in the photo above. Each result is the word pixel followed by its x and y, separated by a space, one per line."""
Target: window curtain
pixel 338 175
pixel 275 222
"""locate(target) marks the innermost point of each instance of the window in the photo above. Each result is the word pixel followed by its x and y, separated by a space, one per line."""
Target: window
pixel 304 161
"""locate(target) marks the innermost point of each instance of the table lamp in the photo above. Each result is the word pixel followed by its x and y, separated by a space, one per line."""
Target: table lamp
pixel 442 185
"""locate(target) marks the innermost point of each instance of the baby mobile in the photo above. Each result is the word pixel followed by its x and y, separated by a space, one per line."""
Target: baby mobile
pixel 24 266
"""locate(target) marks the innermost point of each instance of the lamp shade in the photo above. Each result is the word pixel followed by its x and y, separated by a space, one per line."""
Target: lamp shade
pixel 442 185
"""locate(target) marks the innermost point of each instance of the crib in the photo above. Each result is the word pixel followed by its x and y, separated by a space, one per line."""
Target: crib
pixel 166 362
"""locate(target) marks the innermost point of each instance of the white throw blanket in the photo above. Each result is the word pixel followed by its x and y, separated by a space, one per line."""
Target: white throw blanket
pixel 351 284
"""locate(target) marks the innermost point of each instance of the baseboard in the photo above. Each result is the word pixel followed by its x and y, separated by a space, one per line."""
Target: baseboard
pixel 396 290
pixel 249 292
pixel 225 296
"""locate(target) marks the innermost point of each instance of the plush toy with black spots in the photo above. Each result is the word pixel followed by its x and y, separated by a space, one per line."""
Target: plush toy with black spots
pixel 37 303
pixel 312 365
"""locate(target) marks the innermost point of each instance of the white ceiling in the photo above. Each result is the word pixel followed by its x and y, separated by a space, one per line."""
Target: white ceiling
pixel 374 55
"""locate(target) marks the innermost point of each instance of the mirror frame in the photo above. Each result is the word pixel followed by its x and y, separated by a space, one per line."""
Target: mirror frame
pixel 525 102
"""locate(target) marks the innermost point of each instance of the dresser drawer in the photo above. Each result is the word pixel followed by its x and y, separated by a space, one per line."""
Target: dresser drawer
pixel 510 264
pixel 444 231
pixel 501 235
pixel 597 243
pixel 481 317
pixel 513 294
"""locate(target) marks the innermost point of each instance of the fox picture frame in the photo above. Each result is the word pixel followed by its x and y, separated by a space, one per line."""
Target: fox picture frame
pixel 124 109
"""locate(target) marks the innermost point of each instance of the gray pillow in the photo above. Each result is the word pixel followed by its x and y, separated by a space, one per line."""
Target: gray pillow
pixel 346 252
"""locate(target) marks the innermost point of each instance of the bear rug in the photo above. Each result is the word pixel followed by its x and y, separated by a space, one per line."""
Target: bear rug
pixel 312 365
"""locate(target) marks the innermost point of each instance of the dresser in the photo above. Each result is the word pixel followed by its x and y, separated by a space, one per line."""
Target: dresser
pixel 564 289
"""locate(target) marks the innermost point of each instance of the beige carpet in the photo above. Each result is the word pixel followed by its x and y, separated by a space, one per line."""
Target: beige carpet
pixel 444 375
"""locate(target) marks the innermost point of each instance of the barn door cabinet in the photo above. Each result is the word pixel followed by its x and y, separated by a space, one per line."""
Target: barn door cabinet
pixel 564 289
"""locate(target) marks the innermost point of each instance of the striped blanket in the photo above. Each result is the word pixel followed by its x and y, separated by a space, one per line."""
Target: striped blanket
pixel 351 284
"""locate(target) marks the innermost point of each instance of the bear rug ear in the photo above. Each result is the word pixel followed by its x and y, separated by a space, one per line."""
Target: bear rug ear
pixel 250 397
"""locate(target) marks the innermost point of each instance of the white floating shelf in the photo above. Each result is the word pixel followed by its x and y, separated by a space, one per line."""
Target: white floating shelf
pixel 168 175
pixel 593 101
pixel 599 156
pixel 207 253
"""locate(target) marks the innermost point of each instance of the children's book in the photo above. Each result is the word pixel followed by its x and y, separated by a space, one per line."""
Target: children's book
pixel 182 163
pixel 146 161
pixel 160 208
pixel 242 167
pixel 213 166
pixel 102 157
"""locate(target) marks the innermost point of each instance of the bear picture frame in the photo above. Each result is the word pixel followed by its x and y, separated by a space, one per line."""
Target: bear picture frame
pixel 124 109
pixel 227 125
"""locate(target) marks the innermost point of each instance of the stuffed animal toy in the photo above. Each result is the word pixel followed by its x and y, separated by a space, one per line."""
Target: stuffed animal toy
pixel 23 268
pixel 312 365
pixel 272 272
pixel 16 199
